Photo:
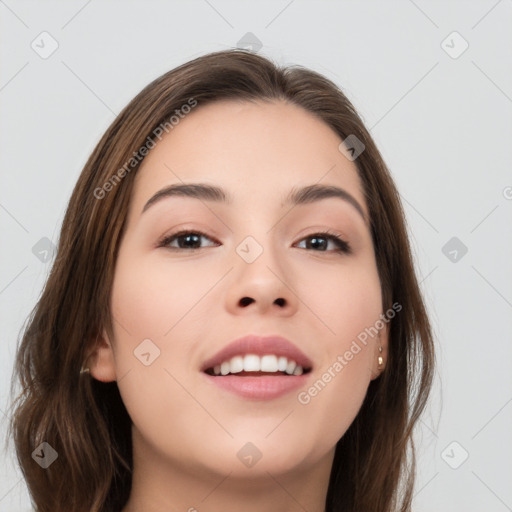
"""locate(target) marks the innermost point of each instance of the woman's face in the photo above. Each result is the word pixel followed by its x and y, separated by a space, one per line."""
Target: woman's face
pixel 258 270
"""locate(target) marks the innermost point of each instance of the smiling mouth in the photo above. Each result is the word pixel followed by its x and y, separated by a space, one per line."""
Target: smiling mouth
pixel 259 377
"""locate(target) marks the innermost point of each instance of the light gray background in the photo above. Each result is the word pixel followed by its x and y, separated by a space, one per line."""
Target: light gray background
pixel 443 125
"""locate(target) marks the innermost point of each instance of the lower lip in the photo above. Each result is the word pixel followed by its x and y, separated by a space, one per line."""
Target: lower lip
pixel 259 388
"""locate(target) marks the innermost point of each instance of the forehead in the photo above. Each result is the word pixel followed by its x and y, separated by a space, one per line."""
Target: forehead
pixel 257 151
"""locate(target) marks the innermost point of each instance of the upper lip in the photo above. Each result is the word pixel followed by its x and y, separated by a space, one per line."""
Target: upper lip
pixel 260 346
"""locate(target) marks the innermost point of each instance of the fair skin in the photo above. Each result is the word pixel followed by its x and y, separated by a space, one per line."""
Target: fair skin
pixel 187 432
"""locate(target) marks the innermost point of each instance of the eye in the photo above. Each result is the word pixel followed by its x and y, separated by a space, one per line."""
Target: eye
pixel 185 240
pixel 191 240
pixel 321 241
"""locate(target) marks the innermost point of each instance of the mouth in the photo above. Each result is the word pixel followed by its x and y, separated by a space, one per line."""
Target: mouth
pixel 258 368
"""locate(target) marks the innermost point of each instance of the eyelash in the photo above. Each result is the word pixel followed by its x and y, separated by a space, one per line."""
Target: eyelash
pixel 343 246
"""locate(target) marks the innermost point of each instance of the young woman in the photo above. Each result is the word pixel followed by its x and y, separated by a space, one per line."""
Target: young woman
pixel 232 321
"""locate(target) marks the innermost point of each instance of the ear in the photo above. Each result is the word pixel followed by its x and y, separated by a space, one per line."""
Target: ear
pixel 382 340
pixel 101 362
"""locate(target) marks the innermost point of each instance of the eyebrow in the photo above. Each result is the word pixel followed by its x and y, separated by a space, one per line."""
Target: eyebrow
pixel 296 197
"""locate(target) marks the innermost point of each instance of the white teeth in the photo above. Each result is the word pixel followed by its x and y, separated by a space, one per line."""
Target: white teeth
pixel 282 363
pixel 290 367
pixel 224 368
pixel 269 364
pixel 253 363
pixel 236 364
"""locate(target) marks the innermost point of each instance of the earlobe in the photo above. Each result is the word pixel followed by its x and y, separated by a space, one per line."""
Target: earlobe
pixel 101 362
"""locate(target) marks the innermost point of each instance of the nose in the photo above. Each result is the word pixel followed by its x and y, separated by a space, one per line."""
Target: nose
pixel 261 287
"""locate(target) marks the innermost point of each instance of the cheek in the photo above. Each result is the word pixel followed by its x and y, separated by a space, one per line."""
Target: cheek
pixel 348 305
pixel 344 299
pixel 151 297
pixel 152 303
pixel 155 300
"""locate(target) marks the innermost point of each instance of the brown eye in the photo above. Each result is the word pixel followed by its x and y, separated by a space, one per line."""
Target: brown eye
pixel 320 242
pixel 185 240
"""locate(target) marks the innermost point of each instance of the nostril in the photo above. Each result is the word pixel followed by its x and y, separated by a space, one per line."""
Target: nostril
pixel 246 301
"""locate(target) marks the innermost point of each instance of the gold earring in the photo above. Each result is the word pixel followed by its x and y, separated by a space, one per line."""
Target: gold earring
pixel 84 370
pixel 380 359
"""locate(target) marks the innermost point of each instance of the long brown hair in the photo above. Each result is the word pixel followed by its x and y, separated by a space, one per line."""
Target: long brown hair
pixel 85 421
